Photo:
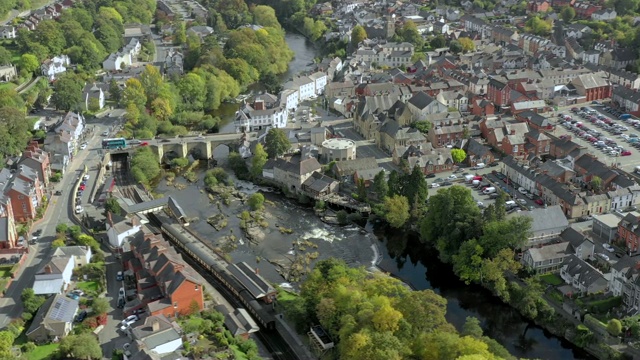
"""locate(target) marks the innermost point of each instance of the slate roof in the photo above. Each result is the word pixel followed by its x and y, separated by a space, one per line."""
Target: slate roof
pixel 547 218
pixel 421 100
pixel 587 274
pixel 318 182
pixel 254 283
pixel 549 252
pixel 298 167
pixel 349 167
pixel 56 309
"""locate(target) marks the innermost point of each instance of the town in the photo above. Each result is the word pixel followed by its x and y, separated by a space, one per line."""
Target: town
pixel 503 137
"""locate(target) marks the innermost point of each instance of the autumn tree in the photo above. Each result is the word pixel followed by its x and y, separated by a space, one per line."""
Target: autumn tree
pixel 467 44
pixel 458 155
pixel 396 210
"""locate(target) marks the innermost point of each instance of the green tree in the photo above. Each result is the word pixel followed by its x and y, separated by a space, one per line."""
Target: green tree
pixel 538 26
pixel 29 63
pixel 100 305
pixel 256 201
pixel 67 92
pixel 395 183
pixel 342 217
pixel 6 344
pixel 14 132
pixel 511 233
pixel 30 302
pixel 83 346
pixel 358 34
pixel 614 327
pixel 145 165
pixel 455 46
pixel 380 185
pixel 438 42
pixel 192 91
pixel 134 94
pixel 567 13
pixel 62 228
pixel 422 125
pixel 458 155
pixel 472 327
pixel 453 217
pixel 151 82
pixel 416 189
pixel 596 183
pixel 396 210
pixel 5 56
pixel 49 34
pixel 115 92
pixel 58 243
pixel 258 161
pixel 111 205
pixel 94 104
pixel 277 143
pixel 265 16
pixel 409 33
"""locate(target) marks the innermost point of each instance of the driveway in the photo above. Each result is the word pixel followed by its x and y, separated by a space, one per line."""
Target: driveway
pixel 110 337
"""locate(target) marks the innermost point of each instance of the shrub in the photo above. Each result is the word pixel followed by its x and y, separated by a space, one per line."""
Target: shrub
pixel 26 316
pixel 256 201
pixel 28 347
pixel 343 217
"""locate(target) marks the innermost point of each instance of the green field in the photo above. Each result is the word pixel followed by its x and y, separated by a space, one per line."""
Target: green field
pixel 88 286
pixel 43 352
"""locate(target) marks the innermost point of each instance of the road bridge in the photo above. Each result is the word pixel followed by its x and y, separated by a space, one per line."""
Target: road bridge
pixel 200 147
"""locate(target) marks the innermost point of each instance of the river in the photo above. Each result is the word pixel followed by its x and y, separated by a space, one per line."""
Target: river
pixel 400 254
pixel 304 53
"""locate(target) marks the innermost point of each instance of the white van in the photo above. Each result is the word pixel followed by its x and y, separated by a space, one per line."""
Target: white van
pixel 479 166
pixel 489 190
pixel 509 204
pixel 475 183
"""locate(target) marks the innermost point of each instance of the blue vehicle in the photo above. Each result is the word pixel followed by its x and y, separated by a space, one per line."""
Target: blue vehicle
pixel 73 296
pixel 117 143
pixel 625 116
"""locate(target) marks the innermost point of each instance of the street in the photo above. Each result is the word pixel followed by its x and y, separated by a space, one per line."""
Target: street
pixel 59 211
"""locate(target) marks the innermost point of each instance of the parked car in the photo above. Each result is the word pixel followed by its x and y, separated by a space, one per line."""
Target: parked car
pixel 79 209
pixel 121 292
pixel 603 256
pixel 539 202
pixel 58 192
pixel 119 276
pixel 78 292
pixel 609 248
pixel 105 133
pixel 522 190
pixel 81 316
pixel 453 176
pixel 428 176
pixel 435 185
pixel 625 153
pixel 130 319
pixel 73 296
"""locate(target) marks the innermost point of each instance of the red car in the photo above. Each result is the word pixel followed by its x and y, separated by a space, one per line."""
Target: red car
pixel 82 187
pixel 540 202
pixel 144 143
pixel 625 153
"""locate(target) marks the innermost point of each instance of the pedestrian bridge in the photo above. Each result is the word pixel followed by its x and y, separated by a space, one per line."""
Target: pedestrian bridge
pixel 200 147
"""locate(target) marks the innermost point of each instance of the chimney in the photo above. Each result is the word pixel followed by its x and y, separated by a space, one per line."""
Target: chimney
pixel 47 269
pixel 155 325
pixel 257 271
pixel 259 105
pixel 109 219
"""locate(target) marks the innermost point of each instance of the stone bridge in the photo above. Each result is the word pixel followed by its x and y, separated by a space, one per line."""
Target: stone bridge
pixel 200 147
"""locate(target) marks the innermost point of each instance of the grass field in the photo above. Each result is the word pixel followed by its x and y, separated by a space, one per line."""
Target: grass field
pixel 88 286
pixel 552 279
pixel 43 352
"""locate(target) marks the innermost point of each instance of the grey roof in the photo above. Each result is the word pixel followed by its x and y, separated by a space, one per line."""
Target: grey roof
pixel 549 252
pixel 139 207
pixel 4 229
pixel 57 308
pixel 71 251
pixel 550 217
pixel 318 182
pixel 587 274
pixel 167 331
pixel 254 283
pixel 349 167
pixel 574 237
pixel 297 166
pixel 176 209
pixel 48 286
pixel 421 100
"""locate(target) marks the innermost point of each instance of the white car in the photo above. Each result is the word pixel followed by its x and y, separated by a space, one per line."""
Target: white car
pixel 86 177
pixel 480 204
pixel 522 201
pixel 522 190
pixel 604 256
pixel 79 209
pixel 83 146
pixel 130 319
pixel 121 292
pixel 435 185
pixel 608 247
pixel 453 176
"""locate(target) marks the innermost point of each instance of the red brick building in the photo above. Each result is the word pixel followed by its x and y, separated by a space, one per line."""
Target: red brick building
pixel 165 284
pixel 8 230
pixel 24 191
pixel 37 159
pixel 499 92
pixel 480 106
pixel 537 6
pixel 629 232
pixel 593 87
pixel 584 10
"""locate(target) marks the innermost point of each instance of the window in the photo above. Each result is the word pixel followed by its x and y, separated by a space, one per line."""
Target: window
pixel 197 288
pixel 175 304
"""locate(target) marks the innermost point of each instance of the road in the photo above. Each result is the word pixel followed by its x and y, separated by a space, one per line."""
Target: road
pixel 59 211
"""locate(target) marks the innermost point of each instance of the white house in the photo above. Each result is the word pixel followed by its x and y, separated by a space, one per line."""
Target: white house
pixel 54 277
pixel 389 54
pixel 455 99
pixel 604 15
pixel 320 81
pixel 57 65
pixel 620 199
pixel 118 232
pixel 7 32
pixel 289 97
pixel 265 111
pixel 93 91
pixel 81 254
pixel 305 86
pixel 73 124
pixel 157 335
pixel 583 278
pixel 124 57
